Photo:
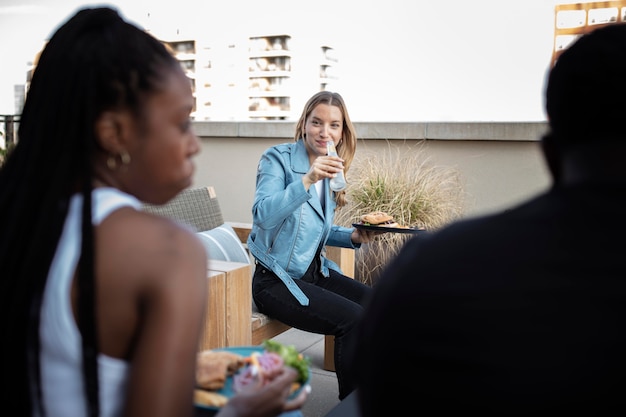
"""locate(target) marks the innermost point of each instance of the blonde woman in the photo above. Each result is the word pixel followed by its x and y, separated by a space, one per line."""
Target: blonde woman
pixel 293 215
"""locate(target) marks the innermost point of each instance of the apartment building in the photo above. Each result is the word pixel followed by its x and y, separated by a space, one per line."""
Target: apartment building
pixel 575 19
pixel 265 77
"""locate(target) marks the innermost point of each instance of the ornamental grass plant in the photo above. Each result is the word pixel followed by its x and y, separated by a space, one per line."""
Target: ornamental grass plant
pixel 409 187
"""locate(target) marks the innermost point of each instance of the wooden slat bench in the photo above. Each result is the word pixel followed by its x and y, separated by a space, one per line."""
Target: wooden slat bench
pixel 232 318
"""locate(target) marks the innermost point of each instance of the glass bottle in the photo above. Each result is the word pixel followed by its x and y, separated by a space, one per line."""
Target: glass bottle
pixel 337 183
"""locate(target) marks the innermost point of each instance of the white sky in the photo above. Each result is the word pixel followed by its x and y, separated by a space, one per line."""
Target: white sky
pixel 400 60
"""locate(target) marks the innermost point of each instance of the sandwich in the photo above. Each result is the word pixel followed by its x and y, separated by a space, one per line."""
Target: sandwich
pixel 291 357
pixel 213 367
pixel 378 218
pixel 274 356
pixel 209 398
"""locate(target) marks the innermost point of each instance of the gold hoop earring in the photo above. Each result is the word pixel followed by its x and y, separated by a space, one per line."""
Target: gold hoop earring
pixel 125 157
pixel 111 164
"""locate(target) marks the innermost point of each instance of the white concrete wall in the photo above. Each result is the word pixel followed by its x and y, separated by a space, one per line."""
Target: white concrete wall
pixel 500 163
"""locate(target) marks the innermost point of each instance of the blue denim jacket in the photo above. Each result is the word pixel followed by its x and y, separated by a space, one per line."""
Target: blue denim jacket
pixel 289 223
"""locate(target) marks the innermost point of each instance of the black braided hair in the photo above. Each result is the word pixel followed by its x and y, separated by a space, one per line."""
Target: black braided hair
pixel 95 61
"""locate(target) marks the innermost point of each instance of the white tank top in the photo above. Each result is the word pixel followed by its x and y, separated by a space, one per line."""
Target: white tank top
pixel 61 358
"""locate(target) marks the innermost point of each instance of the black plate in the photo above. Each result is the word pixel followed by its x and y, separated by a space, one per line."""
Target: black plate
pixel 384 229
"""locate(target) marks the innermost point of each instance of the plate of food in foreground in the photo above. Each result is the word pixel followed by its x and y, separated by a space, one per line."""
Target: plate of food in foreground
pixel 379 221
pixel 221 373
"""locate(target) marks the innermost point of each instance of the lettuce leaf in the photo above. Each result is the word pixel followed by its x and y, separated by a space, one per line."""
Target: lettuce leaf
pixel 291 357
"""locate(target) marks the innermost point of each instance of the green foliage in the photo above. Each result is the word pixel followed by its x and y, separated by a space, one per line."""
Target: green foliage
pixel 406 185
pixel 291 357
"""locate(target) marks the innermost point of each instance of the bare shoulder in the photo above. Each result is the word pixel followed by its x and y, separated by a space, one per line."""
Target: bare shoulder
pixel 148 268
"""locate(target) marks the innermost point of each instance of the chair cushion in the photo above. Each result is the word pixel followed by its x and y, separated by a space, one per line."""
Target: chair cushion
pixel 222 243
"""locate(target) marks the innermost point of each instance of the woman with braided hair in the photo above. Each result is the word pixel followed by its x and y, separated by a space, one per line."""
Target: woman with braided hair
pixel 102 303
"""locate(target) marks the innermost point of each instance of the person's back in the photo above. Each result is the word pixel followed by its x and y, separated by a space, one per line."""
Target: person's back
pixel 521 312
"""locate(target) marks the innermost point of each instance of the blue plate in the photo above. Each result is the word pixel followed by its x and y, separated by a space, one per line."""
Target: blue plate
pixel 245 351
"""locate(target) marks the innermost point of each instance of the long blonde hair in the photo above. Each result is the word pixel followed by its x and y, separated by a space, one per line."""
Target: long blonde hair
pixel 346 146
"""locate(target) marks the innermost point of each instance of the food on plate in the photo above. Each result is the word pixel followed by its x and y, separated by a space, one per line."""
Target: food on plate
pixel 260 364
pixel 221 373
pixel 380 218
pixel 209 398
pixel 274 356
pixel 292 358
pixel 214 366
pixel 377 218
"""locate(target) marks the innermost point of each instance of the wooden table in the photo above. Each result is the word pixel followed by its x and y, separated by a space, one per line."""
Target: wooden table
pixel 229 308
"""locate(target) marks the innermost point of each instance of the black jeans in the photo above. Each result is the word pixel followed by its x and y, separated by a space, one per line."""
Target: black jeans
pixel 335 306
